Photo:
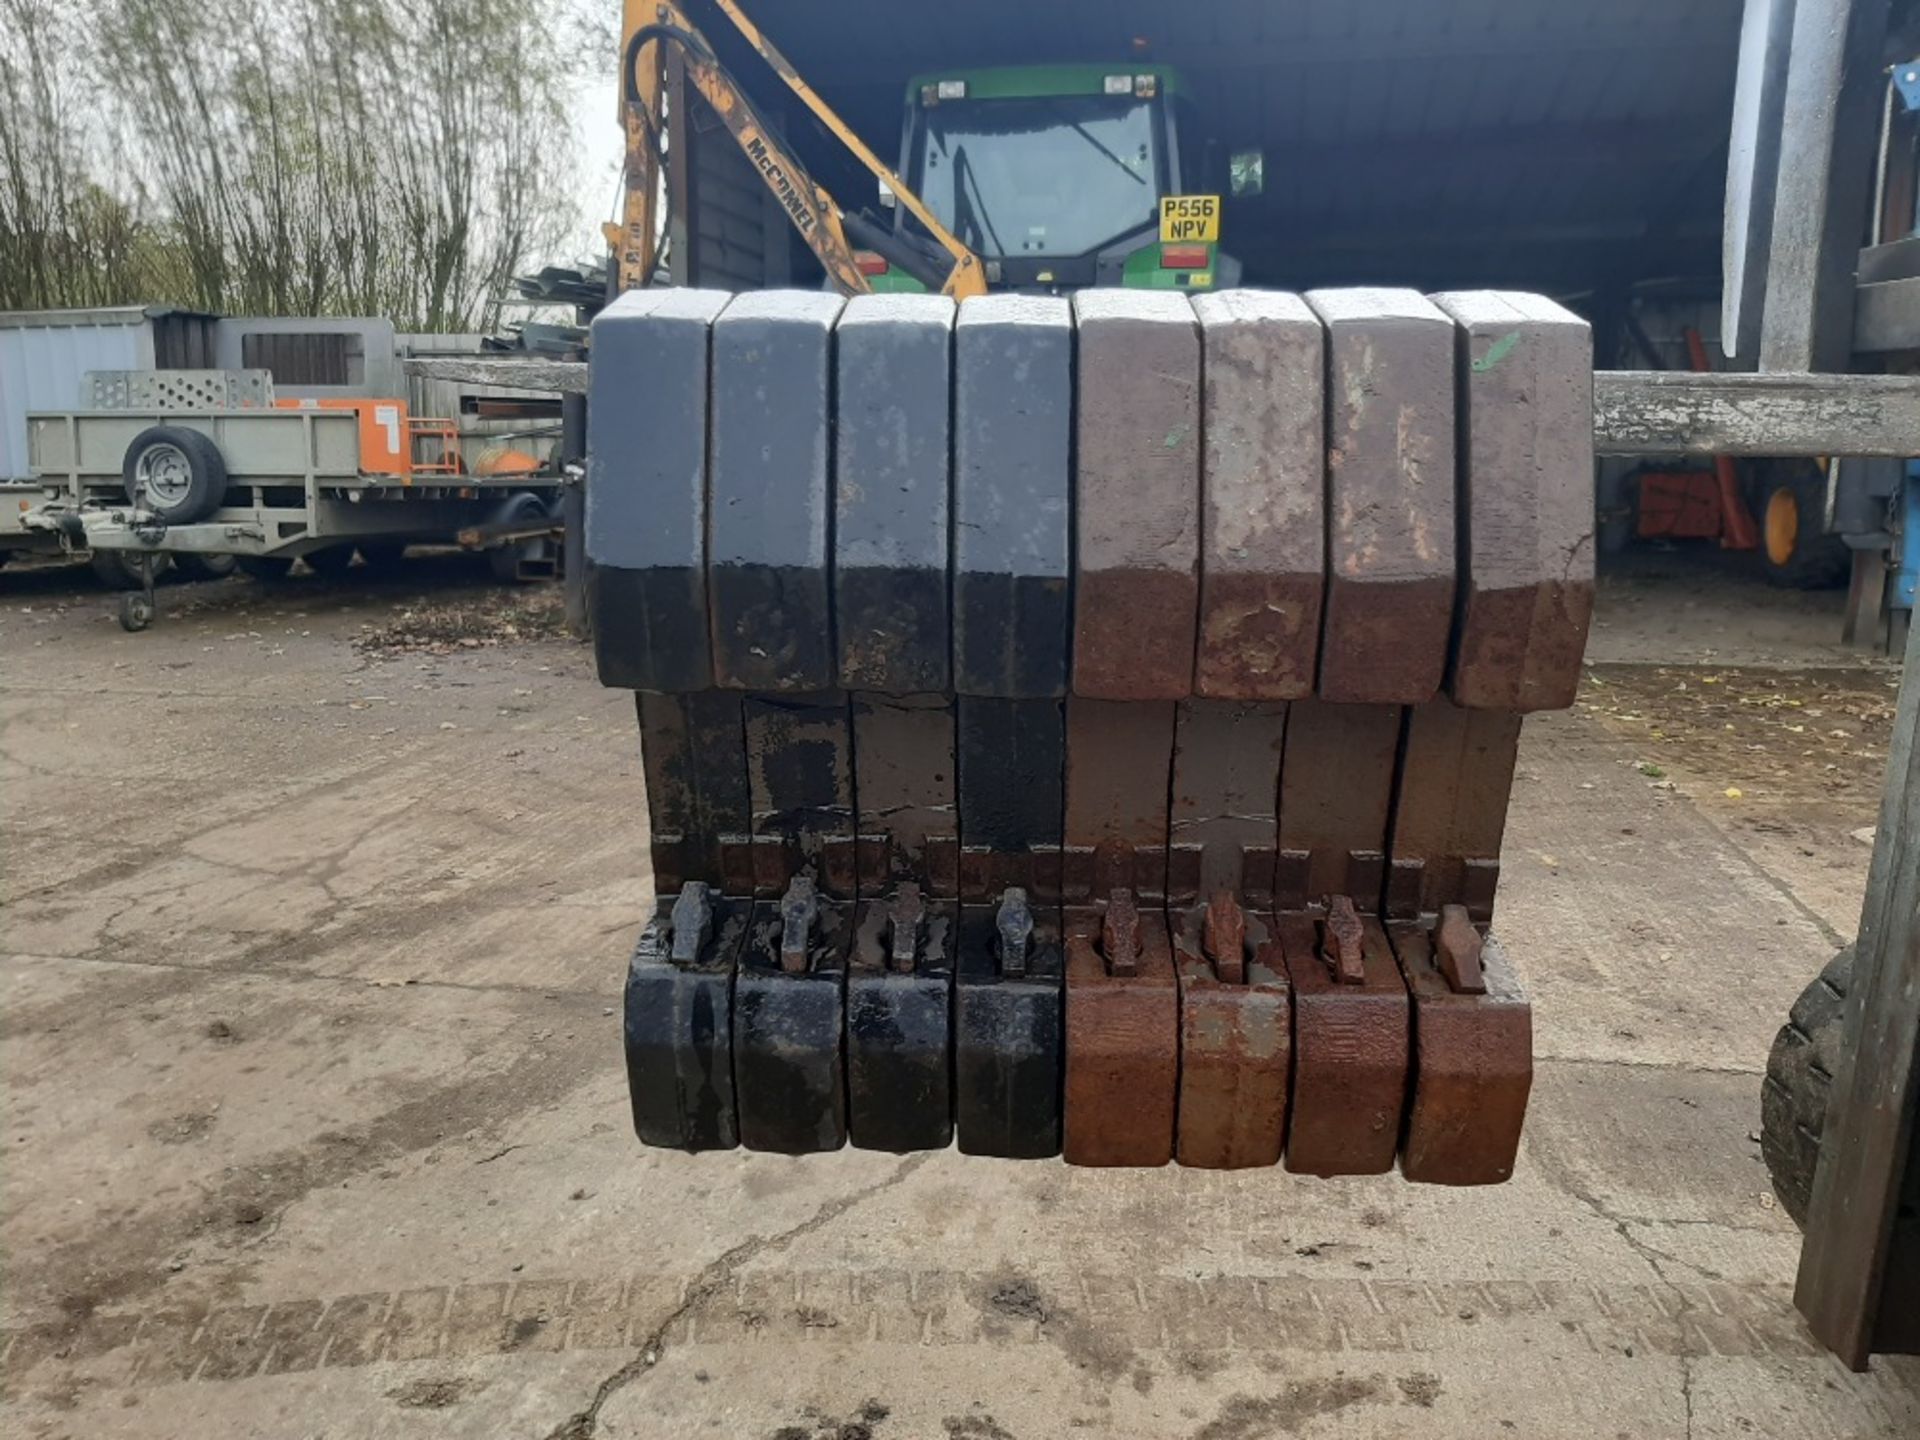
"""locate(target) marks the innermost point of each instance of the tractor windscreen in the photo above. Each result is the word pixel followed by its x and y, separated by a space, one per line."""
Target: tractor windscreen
pixel 1054 175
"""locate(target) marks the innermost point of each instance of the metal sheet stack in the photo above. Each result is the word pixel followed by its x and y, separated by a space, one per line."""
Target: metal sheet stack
pixel 1086 726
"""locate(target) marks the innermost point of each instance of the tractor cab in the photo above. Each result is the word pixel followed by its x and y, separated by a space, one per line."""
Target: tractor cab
pixel 1064 177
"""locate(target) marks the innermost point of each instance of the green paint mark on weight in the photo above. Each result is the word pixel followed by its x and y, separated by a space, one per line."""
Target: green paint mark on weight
pixel 1496 352
pixel 1176 436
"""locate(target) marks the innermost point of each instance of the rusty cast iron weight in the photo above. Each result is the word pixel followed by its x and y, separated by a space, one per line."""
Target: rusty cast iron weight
pixel 1236 1011
pixel 1123 1043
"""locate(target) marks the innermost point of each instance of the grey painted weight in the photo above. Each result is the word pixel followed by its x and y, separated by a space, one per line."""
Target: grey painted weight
pixel 1526 482
pixel 1012 483
pixel 646 521
pixel 1390 506
pixel 891 492
pixel 1136 495
pixel 1262 496
pixel 767 580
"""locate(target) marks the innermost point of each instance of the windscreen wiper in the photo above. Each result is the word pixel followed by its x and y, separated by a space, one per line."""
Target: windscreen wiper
pixel 1093 140
pixel 976 207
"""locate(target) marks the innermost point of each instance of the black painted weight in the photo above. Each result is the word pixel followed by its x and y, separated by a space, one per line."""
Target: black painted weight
pixel 899 1022
pixel 646 490
pixel 1008 1039
pixel 788 1079
pixel 679 1029
pixel 891 492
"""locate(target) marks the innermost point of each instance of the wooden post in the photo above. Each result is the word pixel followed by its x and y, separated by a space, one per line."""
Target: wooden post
pixel 1850 1238
pixel 1827 127
pixel 1753 171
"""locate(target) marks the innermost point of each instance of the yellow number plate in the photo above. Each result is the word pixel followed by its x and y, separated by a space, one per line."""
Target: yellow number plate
pixel 1189 219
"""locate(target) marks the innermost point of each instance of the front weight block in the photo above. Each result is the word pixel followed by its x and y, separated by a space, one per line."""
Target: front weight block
pixel 1123 1036
pixel 1350 1048
pixel 1236 1041
pixel 787 1027
pixel 1008 1030
pixel 1472 1066
pixel 899 1011
pixel 679 1022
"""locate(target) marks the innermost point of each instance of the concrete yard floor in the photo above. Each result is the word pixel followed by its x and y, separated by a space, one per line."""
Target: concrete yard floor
pixel 316 907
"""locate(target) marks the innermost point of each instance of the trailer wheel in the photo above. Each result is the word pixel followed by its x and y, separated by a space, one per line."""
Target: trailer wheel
pixel 267 568
pixel 1794 546
pixel 1793 1097
pixel 504 560
pixel 177 474
pixel 115 569
pixel 194 566
pixel 136 611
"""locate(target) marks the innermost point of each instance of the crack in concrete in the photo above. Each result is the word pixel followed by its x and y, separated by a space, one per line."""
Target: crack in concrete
pixel 714 1277
pixel 354 774
pixel 1652 1255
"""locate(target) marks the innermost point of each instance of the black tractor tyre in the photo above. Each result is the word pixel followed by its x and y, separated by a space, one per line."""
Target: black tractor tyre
pixel 1793 1097
pixel 1796 552
pixel 504 560
pixel 330 563
pixel 268 568
pixel 195 566
pixel 179 475
pixel 120 569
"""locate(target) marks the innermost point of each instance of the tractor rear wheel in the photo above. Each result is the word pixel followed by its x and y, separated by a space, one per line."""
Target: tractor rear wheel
pixel 1795 547
pixel 1793 1097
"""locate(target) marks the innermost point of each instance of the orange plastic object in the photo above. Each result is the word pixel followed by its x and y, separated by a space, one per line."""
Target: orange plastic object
pixel 1737 530
pixel 388 435
pixel 1678 505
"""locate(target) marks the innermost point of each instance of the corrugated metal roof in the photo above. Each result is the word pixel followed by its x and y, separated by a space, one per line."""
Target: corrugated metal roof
pixel 95 315
pixel 1431 141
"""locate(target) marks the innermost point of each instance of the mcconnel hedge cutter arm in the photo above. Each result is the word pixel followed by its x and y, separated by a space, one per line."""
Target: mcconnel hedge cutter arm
pixel 829 231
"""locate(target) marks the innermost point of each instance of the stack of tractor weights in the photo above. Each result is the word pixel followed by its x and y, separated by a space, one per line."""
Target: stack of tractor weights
pixel 1085 726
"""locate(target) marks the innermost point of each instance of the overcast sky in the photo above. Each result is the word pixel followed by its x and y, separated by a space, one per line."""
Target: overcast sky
pixel 592 108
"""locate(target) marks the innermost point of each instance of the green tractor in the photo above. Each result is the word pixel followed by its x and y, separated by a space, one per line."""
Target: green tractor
pixel 1065 177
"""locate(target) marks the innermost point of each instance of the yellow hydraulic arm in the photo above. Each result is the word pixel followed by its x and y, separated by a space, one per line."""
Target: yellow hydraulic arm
pixel 821 222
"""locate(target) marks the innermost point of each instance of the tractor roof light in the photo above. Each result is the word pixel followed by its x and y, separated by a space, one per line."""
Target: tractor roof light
pixel 1117 85
pixel 1145 87
pixel 950 89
